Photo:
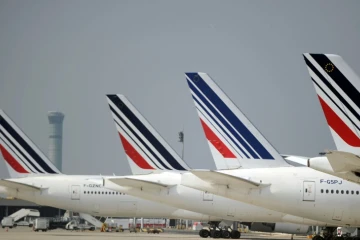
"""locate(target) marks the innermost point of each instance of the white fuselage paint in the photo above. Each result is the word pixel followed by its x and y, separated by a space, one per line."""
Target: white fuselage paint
pixel 194 200
pixel 298 191
pixel 71 193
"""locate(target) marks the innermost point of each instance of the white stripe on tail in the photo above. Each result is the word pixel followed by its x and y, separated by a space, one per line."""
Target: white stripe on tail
pixel 337 87
pixel 22 156
pixel 232 138
pixel 145 149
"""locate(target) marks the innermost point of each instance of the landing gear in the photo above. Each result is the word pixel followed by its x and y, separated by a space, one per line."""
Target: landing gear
pixel 328 234
pixel 317 237
pixel 235 234
pixel 225 234
pixel 204 233
pixel 347 238
pixel 214 231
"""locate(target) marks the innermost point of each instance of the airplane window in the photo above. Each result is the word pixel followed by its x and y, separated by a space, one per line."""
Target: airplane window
pixel 337 191
pixel 347 191
pixel 102 193
pixel 357 192
pixel 332 191
pixel 84 192
pixel 88 192
pixel 342 191
pixel 98 192
pixel 95 192
pixel 322 190
pixel 113 193
pixel 327 190
pixel 91 192
pixel 305 189
pixel 106 193
pixel 352 192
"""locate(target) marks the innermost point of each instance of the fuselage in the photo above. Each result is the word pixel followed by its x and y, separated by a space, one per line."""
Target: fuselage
pixel 300 191
pixel 86 194
pixel 194 200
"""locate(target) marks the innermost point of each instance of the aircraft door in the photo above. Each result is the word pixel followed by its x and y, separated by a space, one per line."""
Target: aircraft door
pixel 309 191
pixel 75 192
pixel 207 196
pixel 96 208
pixel 338 213
pixel 231 212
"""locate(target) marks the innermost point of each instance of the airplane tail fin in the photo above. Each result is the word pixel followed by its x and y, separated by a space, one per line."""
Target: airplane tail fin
pixel 233 140
pixel 337 87
pixel 23 158
pixel 145 149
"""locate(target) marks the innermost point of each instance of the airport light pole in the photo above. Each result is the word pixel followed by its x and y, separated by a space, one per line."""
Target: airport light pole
pixel 181 140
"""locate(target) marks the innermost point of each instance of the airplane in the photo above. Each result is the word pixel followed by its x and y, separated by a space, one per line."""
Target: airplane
pixel 264 179
pixel 337 87
pixel 34 178
pixel 157 170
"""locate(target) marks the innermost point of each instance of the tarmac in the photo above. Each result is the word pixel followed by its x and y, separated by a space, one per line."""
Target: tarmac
pixel 25 233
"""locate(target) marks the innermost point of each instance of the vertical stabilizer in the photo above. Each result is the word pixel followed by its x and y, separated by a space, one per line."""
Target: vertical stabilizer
pixel 22 156
pixel 337 87
pixel 145 149
pixel 233 140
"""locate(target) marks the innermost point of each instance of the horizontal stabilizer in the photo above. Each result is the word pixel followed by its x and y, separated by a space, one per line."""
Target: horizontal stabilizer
pixel 137 183
pixel 218 178
pixel 343 161
pixel 18 186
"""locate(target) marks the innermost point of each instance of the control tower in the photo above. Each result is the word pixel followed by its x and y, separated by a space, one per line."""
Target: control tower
pixel 55 138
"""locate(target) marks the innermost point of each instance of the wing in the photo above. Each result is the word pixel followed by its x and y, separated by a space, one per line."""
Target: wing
pixel 19 186
pixel 233 182
pixel 139 184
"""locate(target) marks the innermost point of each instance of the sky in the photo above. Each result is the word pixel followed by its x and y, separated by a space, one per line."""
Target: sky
pixel 66 55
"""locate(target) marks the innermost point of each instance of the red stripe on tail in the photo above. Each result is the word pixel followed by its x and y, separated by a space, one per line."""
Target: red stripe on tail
pixel 134 155
pixel 339 126
pixel 216 142
pixel 12 161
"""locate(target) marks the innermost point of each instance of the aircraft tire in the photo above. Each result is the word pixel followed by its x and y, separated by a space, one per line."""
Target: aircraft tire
pixel 235 234
pixel 226 234
pixel 317 237
pixel 204 233
pixel 217 234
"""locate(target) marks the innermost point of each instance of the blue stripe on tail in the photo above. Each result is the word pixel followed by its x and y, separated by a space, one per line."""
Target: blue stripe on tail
pixel 146 133
pixel 231 118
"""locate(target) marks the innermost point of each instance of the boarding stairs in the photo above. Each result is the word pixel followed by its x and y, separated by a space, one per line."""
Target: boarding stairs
pixel 24 212
pixel 96 221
